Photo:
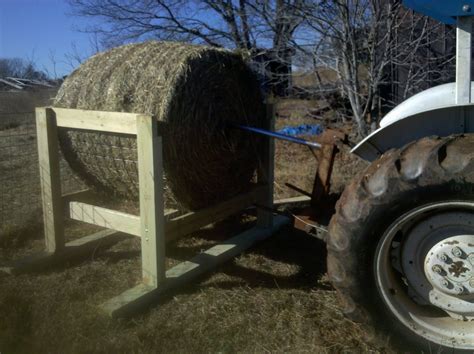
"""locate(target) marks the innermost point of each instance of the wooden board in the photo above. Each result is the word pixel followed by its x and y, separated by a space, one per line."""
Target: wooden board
pixel 113 122
pixel 48 160
pixel 152 220
pixel 110 219
pixel 138 298
pixel 292 200
pixel 187 223
pixel 266 171
pixel 175 227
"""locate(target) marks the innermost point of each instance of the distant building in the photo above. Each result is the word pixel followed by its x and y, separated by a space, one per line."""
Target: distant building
pixel 21 84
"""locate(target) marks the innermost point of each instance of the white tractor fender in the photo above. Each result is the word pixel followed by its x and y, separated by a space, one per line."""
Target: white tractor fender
pixel 430 112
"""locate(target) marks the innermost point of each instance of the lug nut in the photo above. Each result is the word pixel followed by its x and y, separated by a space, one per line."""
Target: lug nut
pixel 471 283
pixel 443 257
pixel 471 258
pixel 457 252
pixel 459 290
pixel 445 283
pixel 437 269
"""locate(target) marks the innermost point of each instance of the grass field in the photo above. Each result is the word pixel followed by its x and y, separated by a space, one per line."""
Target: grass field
pixel 273 298
pixel 19 177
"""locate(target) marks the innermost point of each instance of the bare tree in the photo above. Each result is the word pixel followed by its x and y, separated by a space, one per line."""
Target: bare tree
pixel 368 43
pixel 380 52
pixel 20 68
pixel 356 36
pixel 258 26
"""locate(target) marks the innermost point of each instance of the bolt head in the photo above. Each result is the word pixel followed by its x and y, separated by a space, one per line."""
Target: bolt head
pixel 471 258
pixel 466 8
pixel 457 252
pixel 437 269
pixel 459 290
pixel 445 283
pixel 443 257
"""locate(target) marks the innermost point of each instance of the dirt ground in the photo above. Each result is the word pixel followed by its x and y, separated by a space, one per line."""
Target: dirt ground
pixel 273 298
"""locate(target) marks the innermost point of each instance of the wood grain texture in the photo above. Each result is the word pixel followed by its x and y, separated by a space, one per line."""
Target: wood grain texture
pixel 110 219
pixel 112 122
pixel 136 299
pixel 152 219
pixel 50 180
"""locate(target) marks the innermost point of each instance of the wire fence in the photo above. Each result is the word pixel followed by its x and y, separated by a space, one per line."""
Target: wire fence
pixel 20 191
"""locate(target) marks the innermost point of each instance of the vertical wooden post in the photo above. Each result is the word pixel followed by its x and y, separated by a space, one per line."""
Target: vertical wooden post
pixel 150 177
pixel 48 156
pixel 265 173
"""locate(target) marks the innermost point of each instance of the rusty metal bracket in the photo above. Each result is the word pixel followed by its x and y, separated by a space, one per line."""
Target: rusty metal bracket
pixel 329 140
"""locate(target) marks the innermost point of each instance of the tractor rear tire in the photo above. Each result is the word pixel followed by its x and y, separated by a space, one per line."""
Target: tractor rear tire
pixel 431 171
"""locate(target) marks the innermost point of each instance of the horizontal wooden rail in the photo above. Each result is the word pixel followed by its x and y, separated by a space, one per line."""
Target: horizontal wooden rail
pixel 112 122
pixel 291 200
pixel 175 228
pixel 134 299
pixel 187 223
pixel 110 219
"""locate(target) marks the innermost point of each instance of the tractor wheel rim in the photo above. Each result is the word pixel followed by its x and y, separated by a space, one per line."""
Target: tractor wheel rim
pixel 407 274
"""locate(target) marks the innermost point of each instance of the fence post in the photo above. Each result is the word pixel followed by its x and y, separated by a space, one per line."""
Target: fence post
pixel 150 176
pixel 48 157
pixel 265 173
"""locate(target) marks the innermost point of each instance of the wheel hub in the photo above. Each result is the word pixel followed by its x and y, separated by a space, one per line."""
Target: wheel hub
pixel 449 266
pixel 436 258
pixel 425 271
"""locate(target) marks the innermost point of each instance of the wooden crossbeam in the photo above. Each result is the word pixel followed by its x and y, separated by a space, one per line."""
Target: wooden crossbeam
pixel 113 122
pixel 187 223
pixel 292 200
pixel 136 299
pixel 110 219
pixel 76 196
pixel 174 227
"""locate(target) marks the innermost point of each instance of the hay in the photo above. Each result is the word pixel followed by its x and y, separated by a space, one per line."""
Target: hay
pixel 193 91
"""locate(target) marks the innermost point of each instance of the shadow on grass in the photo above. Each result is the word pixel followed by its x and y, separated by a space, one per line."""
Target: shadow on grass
pixel 289 259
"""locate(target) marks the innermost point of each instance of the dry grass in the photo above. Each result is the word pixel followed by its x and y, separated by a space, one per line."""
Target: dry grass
pixel 273 298
pixel 322 76
pixel 25 101
pixel 296 164
pixel 19 172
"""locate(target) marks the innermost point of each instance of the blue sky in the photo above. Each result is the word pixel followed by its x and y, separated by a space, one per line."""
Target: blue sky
pixel 34 28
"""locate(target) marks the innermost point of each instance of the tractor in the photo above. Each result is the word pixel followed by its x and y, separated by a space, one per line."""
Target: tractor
pixel 401 243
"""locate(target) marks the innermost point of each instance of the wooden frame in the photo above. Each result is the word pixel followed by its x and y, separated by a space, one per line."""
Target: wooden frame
pixel 154 226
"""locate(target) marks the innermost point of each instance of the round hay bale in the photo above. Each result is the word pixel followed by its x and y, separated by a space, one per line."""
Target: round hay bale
pixel 194 92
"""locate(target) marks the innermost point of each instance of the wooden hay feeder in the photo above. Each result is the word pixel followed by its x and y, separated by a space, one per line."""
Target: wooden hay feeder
pixel 152 226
